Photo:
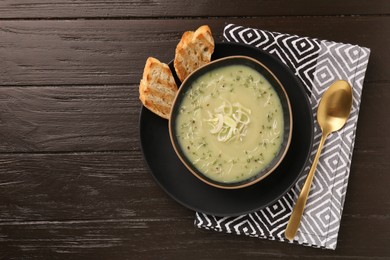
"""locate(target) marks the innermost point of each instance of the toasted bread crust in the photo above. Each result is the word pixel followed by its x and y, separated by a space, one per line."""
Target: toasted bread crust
pixel 193 51
pixel 157 88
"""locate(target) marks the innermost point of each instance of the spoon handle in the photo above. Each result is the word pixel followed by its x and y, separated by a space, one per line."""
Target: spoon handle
pixel 296 215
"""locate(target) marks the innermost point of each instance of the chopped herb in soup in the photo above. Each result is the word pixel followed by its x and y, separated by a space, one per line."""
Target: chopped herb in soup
pixel 230 123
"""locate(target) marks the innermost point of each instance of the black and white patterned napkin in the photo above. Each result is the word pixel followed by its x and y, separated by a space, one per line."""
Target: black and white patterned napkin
pixel 317 63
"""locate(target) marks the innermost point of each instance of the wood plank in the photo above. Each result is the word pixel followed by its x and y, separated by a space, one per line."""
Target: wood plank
pixel 106 205
pixel 105 118
pixel 105 8
pixel 114 51
pixel 373 121
pixel 84 118
pixel 153 239
pixel 78 186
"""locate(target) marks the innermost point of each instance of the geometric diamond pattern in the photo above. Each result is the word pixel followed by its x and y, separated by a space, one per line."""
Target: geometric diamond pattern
pixel 299 53
pixel 317 63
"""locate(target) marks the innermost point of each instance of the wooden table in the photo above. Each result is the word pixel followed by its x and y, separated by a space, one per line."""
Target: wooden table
pixel 73 182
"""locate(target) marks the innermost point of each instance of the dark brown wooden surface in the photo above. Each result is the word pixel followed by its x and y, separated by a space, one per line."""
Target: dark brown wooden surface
pixel 73 182
pixel 16 9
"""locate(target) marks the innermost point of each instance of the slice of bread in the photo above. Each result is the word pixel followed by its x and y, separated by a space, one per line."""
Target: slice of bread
pixel 157 89
pixel 193 51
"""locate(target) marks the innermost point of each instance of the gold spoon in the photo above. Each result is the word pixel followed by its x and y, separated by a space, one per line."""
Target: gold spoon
pixel 333 112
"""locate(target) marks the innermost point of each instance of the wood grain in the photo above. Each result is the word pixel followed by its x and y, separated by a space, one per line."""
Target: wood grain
pixel 115 51
pixel 73 181
pixel 95 204
pixel 159 8
pixel 78 118
pixel 126 239
pixel 77 186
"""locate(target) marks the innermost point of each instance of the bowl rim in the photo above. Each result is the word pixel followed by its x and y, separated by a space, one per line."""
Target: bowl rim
pixel 251 180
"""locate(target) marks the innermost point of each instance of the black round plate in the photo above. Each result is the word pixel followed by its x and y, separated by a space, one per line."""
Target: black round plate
pixel 180 184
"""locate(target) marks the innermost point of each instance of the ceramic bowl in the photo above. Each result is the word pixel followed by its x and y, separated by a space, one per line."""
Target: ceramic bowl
pixel 286 131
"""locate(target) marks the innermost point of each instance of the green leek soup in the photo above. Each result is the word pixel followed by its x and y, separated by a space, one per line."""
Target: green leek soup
pixel 230 123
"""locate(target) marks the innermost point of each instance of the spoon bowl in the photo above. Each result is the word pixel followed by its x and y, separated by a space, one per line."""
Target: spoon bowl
pixel 335 107
pixel 333 112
